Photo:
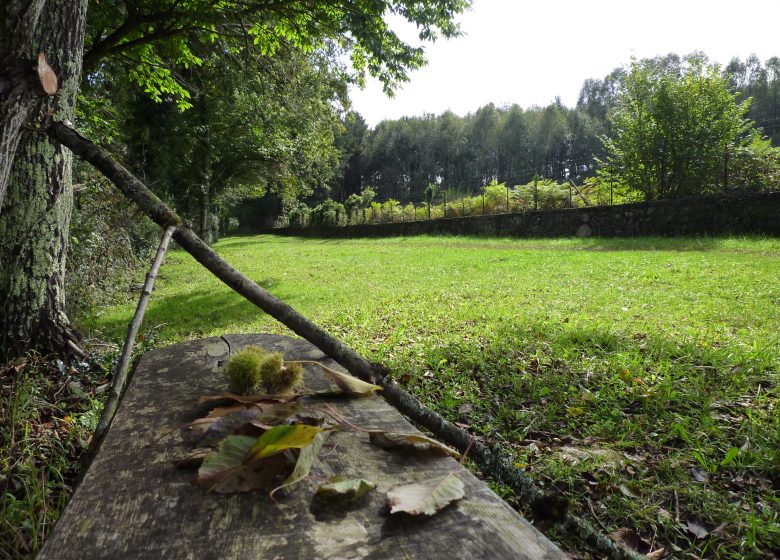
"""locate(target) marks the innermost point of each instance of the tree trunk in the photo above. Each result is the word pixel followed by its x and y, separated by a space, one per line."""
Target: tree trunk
pixel 205 215
pixel 35 213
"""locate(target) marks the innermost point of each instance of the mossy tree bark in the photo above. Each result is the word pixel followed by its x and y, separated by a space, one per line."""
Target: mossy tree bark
pixel 35 172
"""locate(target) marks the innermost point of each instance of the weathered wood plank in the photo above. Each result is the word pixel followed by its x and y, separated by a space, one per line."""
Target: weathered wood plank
pixel 133 503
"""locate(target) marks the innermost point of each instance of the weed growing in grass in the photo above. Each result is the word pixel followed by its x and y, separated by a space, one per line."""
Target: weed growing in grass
pixel 639 377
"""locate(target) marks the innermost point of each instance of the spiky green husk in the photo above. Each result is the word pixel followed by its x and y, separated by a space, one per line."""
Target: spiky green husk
pixel 243 370
pixel 286 380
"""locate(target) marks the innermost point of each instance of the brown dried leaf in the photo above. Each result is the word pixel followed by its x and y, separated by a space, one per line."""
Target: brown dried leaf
pixel 426 497
pixel 409 442
pixel 226 425
pixel 348 384
pixel 224 410
pixel 696 529
pixel 245 399
pixel 631 540
pixel 657 554
pixel 193 459
pixel 230 469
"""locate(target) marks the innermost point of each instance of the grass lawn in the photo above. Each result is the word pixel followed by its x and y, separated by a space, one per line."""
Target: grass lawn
pixel 639 377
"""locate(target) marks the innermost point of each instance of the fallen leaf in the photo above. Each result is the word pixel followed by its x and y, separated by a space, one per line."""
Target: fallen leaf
pixel 627 491
pixel 631 540
pixel 306 458
pixel 228 469
pixel 700 475
pixel 348 384
pixel 226 425
pixel 245 399
pixel 657 554
pixel 282 438
pixel 696 529
pixel 425 497
pixel 465 409
pixel 349 490
pixel 193 459
pixel 720 530
pixel 410 442
pixel 225 410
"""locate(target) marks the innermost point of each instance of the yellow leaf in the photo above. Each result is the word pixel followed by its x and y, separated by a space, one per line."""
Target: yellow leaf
pixel 281 438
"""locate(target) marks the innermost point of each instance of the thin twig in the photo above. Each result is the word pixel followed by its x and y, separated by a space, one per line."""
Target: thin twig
pixel 120 377
pixel 596 517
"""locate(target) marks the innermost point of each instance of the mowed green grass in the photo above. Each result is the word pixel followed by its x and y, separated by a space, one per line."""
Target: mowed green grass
pixel 637 376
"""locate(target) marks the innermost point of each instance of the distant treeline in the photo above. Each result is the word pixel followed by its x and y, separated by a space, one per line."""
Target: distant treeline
pixel 400 158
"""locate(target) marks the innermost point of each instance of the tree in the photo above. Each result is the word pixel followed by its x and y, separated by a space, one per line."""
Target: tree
pixel 36 193
pixel 150 41
pixel 672 127
pixel 431 191
pixel 257 126
pixel 351 143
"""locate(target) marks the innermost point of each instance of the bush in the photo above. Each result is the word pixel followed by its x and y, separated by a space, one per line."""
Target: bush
pixel 299 216
pixel 111 240
pixel 755 166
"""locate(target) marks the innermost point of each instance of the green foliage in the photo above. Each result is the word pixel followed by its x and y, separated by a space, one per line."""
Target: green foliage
pixel 48 413
pixel 329 213
pixel 351 205
pixel 754 165
pixel 672 127
pixel 511 144
pixel 110 242
pixel 299 215
pixel 155 42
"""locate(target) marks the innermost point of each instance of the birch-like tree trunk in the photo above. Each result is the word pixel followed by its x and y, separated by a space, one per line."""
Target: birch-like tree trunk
pixel 36 193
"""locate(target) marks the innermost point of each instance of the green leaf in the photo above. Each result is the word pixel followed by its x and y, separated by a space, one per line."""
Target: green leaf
pixel 425 497
pixel 227 470
pixel 342 489
pixel 306 458
pixel 409 442
pixel 731 455
pixel 281 438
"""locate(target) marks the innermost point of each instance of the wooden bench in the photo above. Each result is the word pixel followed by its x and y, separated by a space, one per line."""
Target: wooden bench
pixel 132 502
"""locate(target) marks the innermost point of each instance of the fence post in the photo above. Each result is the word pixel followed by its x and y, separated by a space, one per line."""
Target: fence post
pixel 536 192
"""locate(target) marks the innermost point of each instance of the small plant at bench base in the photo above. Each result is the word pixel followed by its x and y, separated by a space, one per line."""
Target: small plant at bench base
pixel 254 368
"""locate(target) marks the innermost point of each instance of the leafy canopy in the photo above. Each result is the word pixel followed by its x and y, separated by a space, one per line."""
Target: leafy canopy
pixel 154 38
pixel 673 127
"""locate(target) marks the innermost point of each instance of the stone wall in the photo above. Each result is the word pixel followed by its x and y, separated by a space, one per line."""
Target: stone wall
pixel 754 213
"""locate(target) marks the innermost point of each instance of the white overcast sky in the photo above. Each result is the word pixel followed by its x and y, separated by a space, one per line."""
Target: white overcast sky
pixel 530 51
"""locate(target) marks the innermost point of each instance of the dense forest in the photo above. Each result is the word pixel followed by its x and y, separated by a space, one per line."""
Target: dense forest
pixel 511 145
pixel 266 140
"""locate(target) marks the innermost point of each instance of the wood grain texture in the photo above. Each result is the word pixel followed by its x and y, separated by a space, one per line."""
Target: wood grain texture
pixel 132 503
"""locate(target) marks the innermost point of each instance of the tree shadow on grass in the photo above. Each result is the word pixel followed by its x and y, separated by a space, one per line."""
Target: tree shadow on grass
pixel 606 244
pixel 192 314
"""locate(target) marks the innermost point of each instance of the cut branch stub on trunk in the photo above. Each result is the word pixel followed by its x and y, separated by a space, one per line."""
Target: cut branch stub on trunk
pixel 46 74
